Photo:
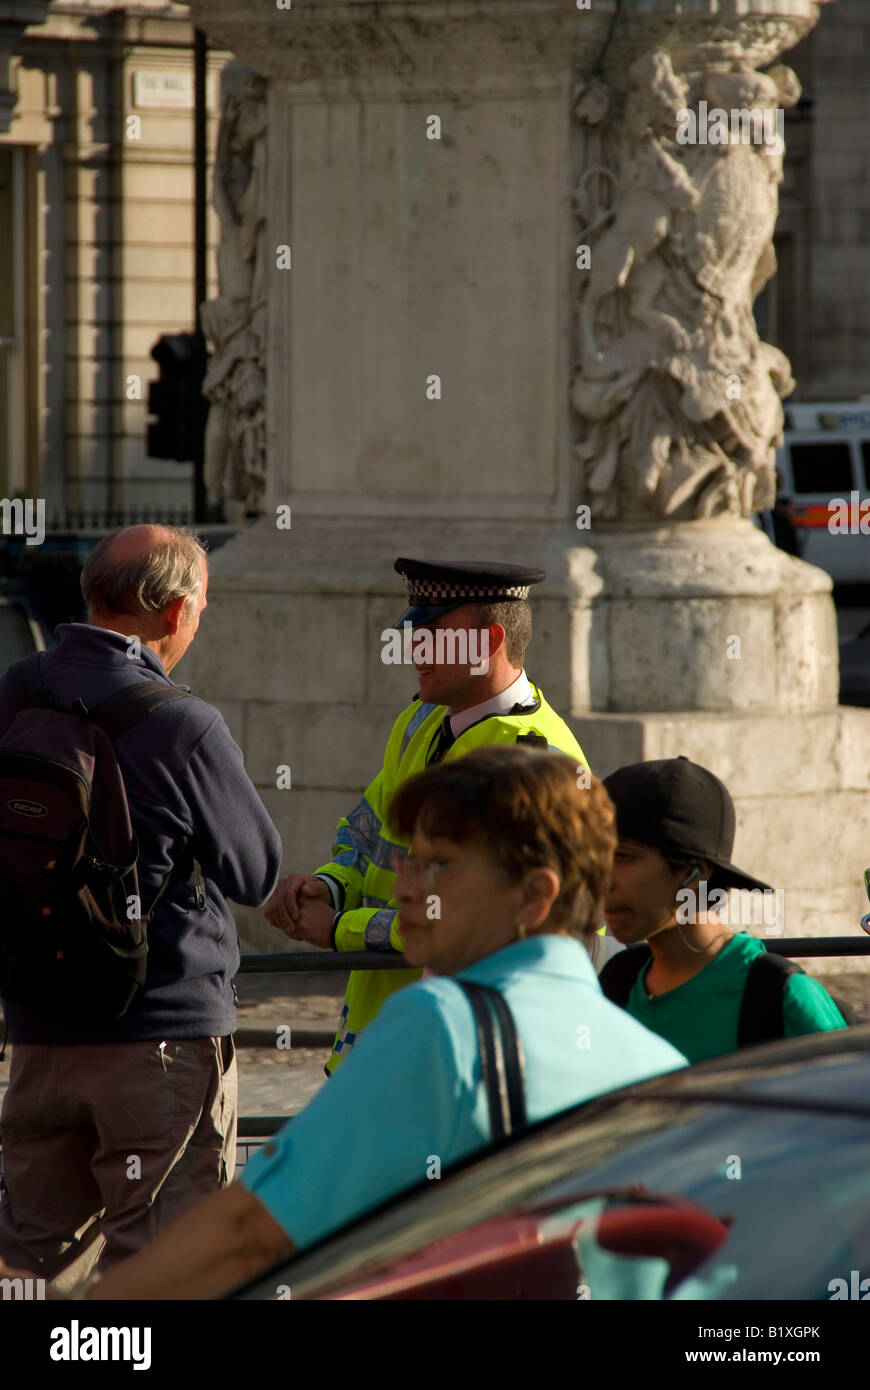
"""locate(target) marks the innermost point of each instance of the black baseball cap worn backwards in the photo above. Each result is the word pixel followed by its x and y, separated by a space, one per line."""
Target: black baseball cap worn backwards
pixel 678 807
pixel 437 587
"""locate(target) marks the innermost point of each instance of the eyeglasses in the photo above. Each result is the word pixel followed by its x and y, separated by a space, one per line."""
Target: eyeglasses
pixel 425 871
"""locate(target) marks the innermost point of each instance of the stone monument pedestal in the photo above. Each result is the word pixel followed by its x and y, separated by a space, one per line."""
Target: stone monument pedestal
pixel 634 644
pixel 414 355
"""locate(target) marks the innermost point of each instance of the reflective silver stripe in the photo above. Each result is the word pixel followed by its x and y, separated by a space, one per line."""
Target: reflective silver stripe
pixel 377 932
pixel 370 901
pixel 384 850
pixel 417 718
pixel 362 829
pixel 352 859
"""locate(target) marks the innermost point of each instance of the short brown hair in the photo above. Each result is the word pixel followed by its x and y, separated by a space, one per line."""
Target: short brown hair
pixel 515 616
pixel 532 810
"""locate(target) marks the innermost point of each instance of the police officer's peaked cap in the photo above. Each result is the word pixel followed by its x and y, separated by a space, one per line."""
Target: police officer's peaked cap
pixel 436 587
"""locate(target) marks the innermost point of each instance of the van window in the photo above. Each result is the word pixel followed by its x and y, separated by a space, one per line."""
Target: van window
pixel 823 467
pixel 865 455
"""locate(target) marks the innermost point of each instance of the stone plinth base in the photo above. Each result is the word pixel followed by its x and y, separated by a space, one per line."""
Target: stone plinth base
pixel 290 650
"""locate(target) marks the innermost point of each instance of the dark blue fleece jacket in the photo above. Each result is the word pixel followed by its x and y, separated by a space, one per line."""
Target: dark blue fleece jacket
pixel 186 782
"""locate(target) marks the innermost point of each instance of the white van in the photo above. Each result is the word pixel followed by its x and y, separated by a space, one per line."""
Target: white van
pixel 825 469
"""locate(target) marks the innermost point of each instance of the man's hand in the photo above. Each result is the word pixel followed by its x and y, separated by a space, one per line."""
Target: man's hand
pixel 290 898
pixel 315 922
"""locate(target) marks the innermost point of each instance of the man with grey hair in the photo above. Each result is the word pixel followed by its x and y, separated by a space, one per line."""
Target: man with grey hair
pixel 111 1131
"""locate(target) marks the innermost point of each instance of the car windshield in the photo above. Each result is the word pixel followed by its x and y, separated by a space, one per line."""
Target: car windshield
pixel 649 1200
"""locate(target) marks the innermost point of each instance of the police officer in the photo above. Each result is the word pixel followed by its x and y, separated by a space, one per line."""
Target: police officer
pixel 467 627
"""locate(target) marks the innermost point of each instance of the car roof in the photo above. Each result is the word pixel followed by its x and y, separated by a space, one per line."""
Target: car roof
pixel 817 1071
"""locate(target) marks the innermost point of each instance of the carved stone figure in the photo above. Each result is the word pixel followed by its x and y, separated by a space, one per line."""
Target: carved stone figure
pixel 656 186
pixel 678 398
pixel 235 322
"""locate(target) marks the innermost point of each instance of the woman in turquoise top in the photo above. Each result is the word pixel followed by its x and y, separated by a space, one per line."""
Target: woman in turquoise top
pixel 676 822
pixel 510 863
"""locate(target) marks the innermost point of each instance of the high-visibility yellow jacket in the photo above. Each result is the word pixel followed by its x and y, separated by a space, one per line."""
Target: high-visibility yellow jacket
pixel 364 844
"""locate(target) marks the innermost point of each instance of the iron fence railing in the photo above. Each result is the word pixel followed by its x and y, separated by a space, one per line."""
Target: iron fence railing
pixel 331 961
pixel 253 1130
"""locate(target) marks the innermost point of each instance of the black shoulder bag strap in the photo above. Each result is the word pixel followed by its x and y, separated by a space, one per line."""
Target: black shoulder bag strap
pixel 501 1058
pixel 617 975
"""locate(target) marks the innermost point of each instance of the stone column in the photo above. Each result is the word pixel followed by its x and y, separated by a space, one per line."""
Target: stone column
pixel 415 355
pixel 13 22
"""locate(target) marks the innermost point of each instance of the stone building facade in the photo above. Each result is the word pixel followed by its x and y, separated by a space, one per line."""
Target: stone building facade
pixel 96 226
pixel 819 303
pixel 630 640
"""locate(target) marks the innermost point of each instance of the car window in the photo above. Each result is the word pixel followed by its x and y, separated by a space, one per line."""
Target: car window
pixel 825 467
pixel 865 459
pixel 718 1201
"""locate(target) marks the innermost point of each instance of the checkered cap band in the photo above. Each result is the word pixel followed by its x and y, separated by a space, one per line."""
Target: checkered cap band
pixel 434 591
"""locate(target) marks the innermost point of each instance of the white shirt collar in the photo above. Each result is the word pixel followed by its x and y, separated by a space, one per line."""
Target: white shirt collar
pixel 519 693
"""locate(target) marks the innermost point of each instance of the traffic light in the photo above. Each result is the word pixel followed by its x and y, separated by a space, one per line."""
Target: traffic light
pixel 176 399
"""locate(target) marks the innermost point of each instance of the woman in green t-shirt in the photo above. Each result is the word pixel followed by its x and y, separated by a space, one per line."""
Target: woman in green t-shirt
pixel 704 986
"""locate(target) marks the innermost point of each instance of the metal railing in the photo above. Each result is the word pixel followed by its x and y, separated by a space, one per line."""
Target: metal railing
pixel 261 1127
pixel 330 961
pixel 253 1127
pixel 325 961
pixel 256 1129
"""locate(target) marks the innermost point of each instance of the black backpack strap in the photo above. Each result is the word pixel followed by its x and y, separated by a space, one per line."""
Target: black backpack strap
pixel 762 1017
pixel 617 976
pixel 126 707
pixel 762 1014
pixel 501 1058
pixel 118 714
pixel 28 687
pixel 114 716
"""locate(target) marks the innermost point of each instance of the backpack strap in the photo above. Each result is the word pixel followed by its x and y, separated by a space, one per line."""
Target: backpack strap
pixel 762 1014
pixel 28 687
pixel 762 1017
pixel 617 976
pixel 501 1058
pixel 126 707
pixel 114 716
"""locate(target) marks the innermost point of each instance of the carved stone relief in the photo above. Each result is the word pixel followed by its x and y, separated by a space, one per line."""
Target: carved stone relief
pixel 235 322
pixel 678 399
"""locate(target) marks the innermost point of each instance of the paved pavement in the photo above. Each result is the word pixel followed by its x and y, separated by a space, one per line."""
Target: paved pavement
pixel 276 1079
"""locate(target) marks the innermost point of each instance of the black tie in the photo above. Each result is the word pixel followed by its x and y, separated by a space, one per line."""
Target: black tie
pixel 446 738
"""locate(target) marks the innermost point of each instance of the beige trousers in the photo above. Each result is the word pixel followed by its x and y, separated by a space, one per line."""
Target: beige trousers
pixel 104 1146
